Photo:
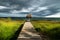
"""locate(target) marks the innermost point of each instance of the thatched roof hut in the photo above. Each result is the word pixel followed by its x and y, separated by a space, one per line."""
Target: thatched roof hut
pixel 28 16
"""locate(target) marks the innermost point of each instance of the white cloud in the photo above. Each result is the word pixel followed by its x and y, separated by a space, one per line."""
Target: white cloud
pixel 55 15
pixel 3 7
pixel 40 9
pixel 19 11
pixel 24 10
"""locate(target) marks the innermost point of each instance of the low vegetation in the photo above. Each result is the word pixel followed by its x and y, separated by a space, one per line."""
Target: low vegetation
pixel 49 28
pixel 8 27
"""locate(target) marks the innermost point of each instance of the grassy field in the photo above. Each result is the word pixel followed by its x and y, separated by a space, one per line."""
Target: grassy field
pixel 49 28
pixel 8 27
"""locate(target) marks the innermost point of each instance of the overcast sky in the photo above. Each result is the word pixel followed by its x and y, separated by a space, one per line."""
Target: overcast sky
pixel 38 8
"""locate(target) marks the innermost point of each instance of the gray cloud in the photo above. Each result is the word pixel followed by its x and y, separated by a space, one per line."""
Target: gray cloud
pixel 53 7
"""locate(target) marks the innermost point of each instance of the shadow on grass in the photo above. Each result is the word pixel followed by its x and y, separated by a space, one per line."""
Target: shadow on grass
pixel 53 34
pixel 15 36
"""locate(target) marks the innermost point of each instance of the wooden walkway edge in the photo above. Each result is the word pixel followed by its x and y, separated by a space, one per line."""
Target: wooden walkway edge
pixel 28 33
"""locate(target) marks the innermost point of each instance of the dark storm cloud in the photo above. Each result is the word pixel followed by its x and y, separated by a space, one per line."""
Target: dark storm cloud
pixel 14 4
pixel 49 2
pixel 4 11
pixel 49 11
pixel 21 3
pixel 53 7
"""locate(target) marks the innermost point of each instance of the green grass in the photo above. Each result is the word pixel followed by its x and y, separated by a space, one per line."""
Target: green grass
pixel 49 28
pixel 8 28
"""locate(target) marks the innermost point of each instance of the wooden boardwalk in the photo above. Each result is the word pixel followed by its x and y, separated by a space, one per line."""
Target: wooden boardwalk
pixel 28 33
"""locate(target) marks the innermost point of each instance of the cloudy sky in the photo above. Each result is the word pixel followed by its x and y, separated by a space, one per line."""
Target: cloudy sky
pixel 38 8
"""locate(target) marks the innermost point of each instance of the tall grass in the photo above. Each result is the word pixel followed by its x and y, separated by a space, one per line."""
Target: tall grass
pixel 8 27
pixel 49 28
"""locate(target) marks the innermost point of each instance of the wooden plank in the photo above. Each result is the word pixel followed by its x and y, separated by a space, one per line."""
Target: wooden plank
pixel 28 32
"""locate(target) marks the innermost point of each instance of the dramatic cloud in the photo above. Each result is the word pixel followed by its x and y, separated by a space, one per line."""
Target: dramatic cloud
pixel 40 8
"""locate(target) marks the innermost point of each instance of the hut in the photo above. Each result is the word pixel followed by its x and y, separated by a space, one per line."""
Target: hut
pixel 28 17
